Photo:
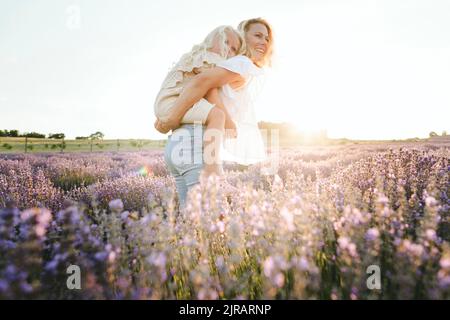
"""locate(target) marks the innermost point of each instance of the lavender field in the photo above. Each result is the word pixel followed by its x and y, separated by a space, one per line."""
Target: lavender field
pixel 309 232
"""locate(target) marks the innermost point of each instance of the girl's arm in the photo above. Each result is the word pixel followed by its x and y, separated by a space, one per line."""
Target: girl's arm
pixel 196 89
pixel 213 97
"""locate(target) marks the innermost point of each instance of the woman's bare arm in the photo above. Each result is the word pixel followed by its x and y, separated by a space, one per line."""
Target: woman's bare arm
pixel 196 89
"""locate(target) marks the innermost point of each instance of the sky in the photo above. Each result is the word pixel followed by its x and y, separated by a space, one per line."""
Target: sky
pixel 358 69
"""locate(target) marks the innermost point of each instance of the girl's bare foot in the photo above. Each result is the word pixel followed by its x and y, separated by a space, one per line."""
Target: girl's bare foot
pixel 212 169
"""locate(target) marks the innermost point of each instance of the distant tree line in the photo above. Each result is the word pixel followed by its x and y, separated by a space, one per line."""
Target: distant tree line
pixel 56 136
pixel 9 133
pixel 16 134
pixel 95 136
pixel 285 129
pixel 434 134
pixel 289 131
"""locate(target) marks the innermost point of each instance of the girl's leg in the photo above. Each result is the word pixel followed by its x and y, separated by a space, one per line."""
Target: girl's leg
pixel 230 127
pixel 215 128
pixel 212 141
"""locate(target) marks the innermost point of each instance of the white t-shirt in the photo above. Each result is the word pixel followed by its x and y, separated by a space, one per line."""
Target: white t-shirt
pixel 248 147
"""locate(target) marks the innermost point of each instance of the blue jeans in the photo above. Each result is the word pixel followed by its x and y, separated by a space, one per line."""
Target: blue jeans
pixel 183 155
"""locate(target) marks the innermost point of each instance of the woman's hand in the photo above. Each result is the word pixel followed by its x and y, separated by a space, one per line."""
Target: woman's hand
pixel 161 126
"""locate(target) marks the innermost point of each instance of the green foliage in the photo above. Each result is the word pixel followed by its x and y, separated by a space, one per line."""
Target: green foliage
pixel 56 136
pixel 7 146
pixel 10 133
pixel 96 136
pixel 34 135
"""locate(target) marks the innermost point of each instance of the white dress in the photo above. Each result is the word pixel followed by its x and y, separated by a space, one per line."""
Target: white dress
pixel 248 148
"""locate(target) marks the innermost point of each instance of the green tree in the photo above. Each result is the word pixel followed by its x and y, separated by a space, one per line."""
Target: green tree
pixel 56 135
pixel 34 135
pixel 96 136
pixel 13 133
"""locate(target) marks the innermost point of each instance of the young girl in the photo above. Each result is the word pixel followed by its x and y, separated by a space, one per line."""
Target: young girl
pixel 239 79
pixel 222 43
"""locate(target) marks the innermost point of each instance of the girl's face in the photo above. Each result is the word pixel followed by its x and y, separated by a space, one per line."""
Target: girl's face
pixel 233 43
pixel 257 39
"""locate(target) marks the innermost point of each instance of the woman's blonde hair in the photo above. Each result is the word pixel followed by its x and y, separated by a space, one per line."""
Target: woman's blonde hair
pixel 221 34
pixel 243 28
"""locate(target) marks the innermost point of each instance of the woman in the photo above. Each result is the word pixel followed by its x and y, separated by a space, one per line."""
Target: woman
pixel 188 139
pixel 221 44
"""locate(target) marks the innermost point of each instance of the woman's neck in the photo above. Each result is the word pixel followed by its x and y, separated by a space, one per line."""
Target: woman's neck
pixel 256 63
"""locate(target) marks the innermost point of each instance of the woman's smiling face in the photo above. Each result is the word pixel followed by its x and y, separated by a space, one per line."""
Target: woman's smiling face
pixel 258 41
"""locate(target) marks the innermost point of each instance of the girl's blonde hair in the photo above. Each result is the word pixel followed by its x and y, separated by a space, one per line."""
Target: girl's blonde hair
pixel 243 28
pixel 219 33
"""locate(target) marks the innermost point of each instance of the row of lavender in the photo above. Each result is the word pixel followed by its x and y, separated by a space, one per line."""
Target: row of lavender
pixel 311 231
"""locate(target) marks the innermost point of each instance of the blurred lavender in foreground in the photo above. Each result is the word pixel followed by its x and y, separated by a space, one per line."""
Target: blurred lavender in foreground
pixel 308 232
